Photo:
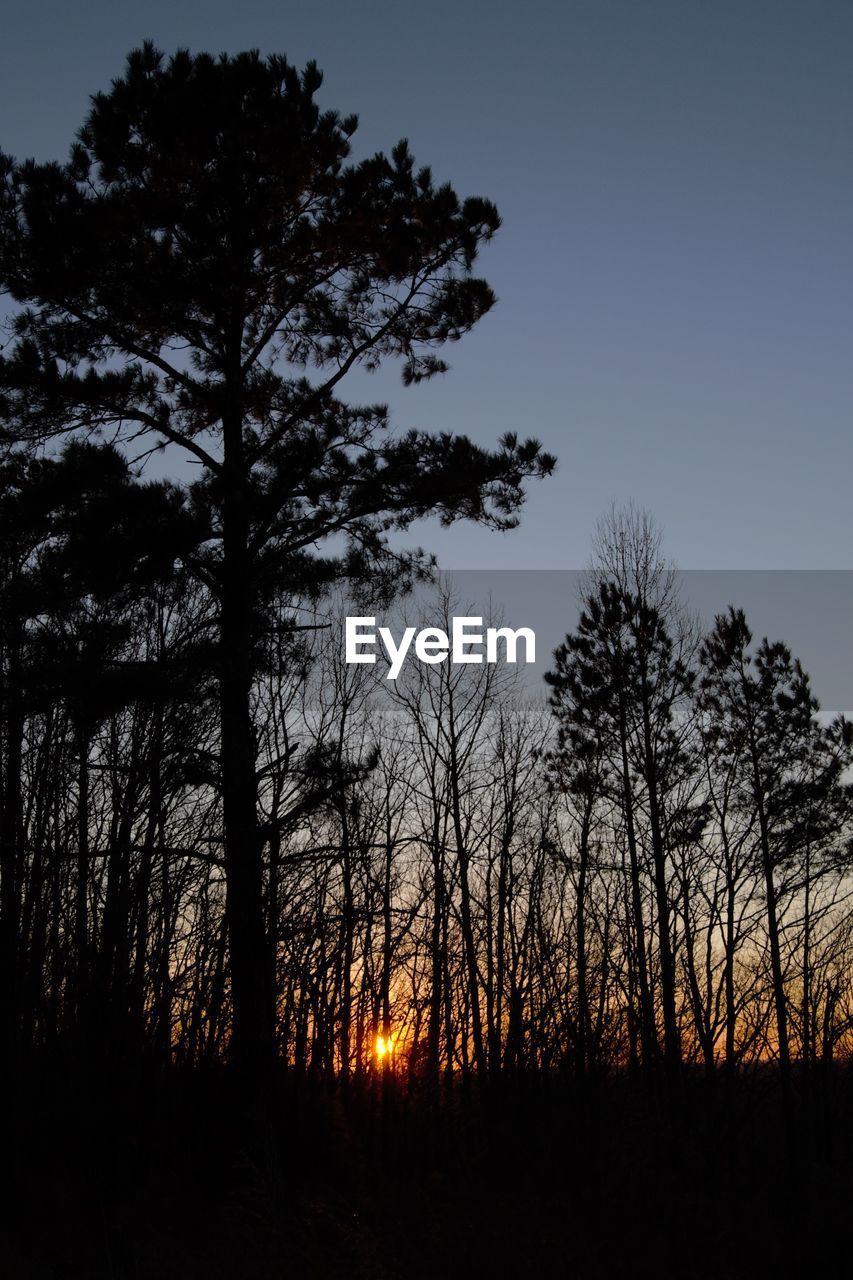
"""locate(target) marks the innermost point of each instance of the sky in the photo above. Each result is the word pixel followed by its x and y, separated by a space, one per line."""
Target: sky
pixel 675 179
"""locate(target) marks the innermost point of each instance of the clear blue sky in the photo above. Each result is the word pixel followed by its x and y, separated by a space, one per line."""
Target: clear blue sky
pixel 675 313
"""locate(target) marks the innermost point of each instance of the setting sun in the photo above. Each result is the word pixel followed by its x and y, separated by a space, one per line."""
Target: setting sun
pixel 384 1046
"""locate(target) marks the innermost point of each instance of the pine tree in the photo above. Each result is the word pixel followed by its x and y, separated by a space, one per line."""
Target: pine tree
pixel 790 777
pixel 204 271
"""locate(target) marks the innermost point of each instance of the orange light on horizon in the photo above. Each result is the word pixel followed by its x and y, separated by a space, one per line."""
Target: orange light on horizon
pixel 384 1047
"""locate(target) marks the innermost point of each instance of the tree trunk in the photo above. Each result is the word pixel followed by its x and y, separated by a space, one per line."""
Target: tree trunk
pixel 251 988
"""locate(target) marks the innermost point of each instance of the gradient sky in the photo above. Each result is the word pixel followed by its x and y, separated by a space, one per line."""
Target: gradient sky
pixel 674 271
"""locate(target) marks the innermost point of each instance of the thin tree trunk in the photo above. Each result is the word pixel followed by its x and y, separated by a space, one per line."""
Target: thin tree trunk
pixel 251 988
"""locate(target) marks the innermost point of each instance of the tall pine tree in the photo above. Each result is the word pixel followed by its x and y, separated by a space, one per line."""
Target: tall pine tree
pixel 204 271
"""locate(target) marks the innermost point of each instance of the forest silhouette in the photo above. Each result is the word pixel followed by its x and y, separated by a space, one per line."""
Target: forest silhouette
pixel 302 973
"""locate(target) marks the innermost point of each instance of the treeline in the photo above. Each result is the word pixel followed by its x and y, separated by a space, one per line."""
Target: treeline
pixel 648 873
pixel 220 844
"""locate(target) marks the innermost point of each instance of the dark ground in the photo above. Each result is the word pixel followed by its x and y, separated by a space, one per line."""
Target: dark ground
pixel 155 1184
